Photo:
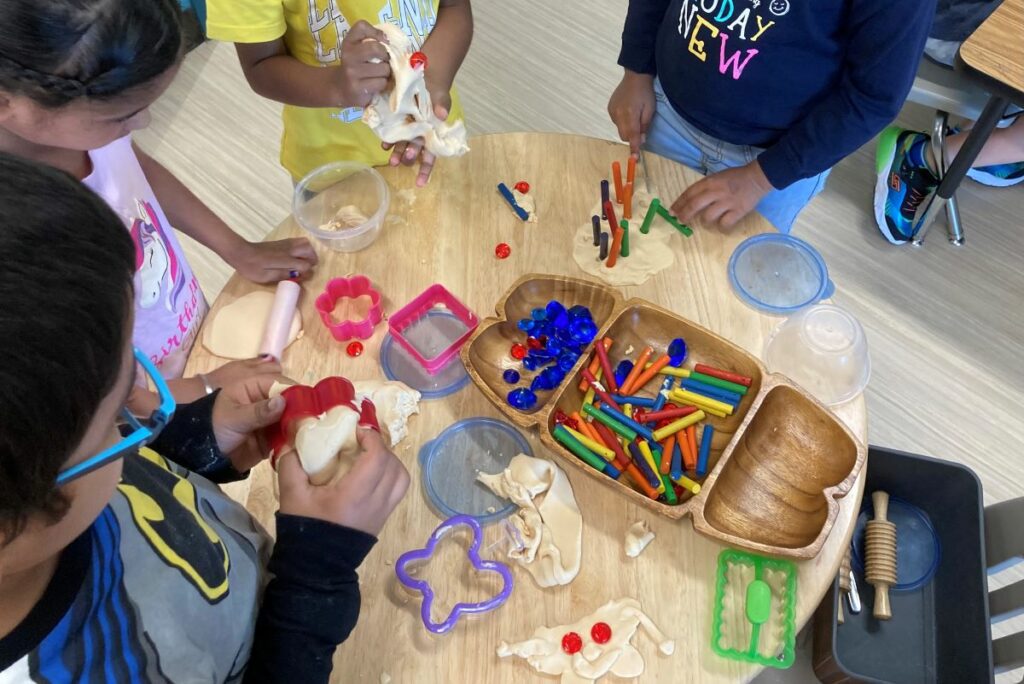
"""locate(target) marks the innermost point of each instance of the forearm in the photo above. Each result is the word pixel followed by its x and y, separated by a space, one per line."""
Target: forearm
pixel 189 440
pixel 284 79
pixel 312 603
pixel 448 42
pixel 186 212
pixel 643 18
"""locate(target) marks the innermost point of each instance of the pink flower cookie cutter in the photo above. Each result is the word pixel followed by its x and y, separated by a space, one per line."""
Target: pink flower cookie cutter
pixel 434 298
pixel 349 288
pixel 473 553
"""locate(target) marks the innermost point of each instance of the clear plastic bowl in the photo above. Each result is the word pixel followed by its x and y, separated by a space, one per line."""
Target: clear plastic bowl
pixel 340 185
pixel 823 348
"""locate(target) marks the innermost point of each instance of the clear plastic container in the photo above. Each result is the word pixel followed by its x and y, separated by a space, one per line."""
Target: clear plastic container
pixel 823 348
pixel 778 274
pixel 342 204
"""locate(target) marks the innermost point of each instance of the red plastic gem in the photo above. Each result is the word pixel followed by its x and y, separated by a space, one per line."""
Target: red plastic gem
pixel 601 633
pixel 518 351
pixel 572 643
pixel 417 59
pixel 533 343
pixel 502 251
pixel 561 417
pixel 354 348
pixel 571 422
pixel 522 186
pixel 544 340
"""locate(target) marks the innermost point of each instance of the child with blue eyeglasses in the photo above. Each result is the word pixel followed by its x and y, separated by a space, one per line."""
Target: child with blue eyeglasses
pixel 120 559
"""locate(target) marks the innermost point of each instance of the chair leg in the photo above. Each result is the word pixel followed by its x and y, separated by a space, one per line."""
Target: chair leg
pixel 938 145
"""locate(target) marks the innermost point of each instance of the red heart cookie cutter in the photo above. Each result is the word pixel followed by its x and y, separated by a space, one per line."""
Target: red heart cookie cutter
pixel 302 401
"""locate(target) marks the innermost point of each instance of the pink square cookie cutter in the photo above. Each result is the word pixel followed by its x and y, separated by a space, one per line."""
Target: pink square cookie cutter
pixel 434 298
pixel 349 288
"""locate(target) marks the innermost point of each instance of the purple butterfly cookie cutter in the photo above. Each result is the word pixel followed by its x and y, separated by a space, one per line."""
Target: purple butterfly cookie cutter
pixel 418 555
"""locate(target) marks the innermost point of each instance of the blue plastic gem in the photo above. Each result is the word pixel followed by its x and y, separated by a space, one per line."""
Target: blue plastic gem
pixel 538 384
pixel 549 378
pixel 530 363
pixel 522 398
pixel 561 321
pixel 554 309
pixel 539 314
pixel 555 345
pixel 567 360
pixel 526 324
pixel 677 351
pixel 579 311
pixel 511 376
pixel 622 370
pixel 582 330
pixel 541 354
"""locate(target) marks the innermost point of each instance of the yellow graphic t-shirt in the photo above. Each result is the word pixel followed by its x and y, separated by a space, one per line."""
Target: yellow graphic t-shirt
pixel 313 31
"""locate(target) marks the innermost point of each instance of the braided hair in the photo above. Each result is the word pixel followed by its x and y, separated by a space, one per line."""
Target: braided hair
pixel 56 51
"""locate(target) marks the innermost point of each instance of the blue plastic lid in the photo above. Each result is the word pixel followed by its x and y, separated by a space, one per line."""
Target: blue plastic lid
pixel 399 365
pixel 918 550
pixel 451 461
pixel 778 274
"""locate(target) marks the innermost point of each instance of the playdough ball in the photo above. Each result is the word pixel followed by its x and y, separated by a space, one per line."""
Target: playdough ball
pixel 502 251
pixel 511 376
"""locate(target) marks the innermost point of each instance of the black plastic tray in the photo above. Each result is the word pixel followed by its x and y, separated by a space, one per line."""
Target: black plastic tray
pixel 940 632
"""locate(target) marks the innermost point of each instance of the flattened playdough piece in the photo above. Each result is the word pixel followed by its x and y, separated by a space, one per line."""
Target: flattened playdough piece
pixel 235 332
pixel 395 403
pixel 638 536
pixel 346 217
pixel 405 112
pixel 548 521
pixel 616 656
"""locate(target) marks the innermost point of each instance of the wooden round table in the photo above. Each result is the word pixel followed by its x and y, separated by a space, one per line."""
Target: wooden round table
pixel 447 233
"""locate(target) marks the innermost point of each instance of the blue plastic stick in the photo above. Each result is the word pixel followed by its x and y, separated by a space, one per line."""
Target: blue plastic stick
pixel 705 450
pixel 711 391
pixel 666 386
pixel 643 402
pixel 511 199
pixel 676 470
pixel 629 422
pixel 641 463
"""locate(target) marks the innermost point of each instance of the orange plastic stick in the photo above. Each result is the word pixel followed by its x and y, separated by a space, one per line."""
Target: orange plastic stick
pixel 666 454
pixel 631 170
pixel 645 376
pixel 617 177
pixel 613 255
pixel 641 481
pixel 630 386
pixel 585 427
pixel 627 202
pixel 691 448
pixel 595 366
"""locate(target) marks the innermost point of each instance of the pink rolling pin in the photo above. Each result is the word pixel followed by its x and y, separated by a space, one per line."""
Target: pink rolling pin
pixel 279 323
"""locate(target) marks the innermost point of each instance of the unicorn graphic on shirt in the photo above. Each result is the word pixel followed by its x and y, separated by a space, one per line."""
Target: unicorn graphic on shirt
pixel 160 272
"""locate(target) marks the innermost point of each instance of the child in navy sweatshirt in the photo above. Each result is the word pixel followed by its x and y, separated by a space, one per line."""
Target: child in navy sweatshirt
pixel 763 96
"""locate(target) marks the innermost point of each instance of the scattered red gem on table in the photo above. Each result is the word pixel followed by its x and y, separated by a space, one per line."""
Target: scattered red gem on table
pixel 601 633
pixel 502 251
pixel 533 343
pixel 518 351
pixel 572 643
pixel 417 59
pixel 354 349
pixel 522 186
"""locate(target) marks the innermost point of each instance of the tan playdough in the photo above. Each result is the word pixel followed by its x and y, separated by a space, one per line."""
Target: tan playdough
pixel 638 536
pixel 404 112
pixel 237 329
pixel 594 660
pixel 548 521
pixel 648 254
pixel 395 403
pixel 346 217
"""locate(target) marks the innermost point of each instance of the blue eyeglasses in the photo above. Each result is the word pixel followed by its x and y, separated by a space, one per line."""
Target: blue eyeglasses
pixel 142 432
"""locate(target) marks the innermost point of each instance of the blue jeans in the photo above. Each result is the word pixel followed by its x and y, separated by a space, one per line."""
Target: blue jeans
pixel 673 137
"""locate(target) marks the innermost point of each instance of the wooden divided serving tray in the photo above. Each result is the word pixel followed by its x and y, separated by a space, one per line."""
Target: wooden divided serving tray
pixel 778 465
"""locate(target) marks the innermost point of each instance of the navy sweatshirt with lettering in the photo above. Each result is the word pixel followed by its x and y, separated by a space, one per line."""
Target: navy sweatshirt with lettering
pixel 809 81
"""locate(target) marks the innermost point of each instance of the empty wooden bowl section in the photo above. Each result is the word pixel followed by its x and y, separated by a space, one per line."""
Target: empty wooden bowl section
pixel 780 479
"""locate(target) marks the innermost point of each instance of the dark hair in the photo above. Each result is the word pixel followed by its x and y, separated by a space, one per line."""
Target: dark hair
pixel 55 51
pixel 66 269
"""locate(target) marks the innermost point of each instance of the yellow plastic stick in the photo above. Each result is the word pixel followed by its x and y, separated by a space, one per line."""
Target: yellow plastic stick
pixel 680 424
pixel 673 371
pixel 699 400
pixel 687 483
pixel 597 447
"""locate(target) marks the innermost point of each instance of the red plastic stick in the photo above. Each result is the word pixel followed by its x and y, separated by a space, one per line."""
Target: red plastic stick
pixel 673 413
pixel 609 440
pixel 600 392
pixel 723 375
pixel 595 363
pixel 606 366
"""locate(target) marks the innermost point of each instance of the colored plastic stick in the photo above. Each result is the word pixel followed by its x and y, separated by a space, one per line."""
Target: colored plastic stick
pixel 584 454
pixel 674 222
pixel 601 350
pixel 511 199
pixel 624 250
pixel 638 460
pixel 617 177
pixel 642 402
pixel 723 375
pixel 604 198
pixel 677 458
pixel 631 171
pixel 691 441
pixel 616 248
pixel 598 388
pixel 662 396
pixel 630 386
pixel 699 400
pixel 615 426
pixel 687 483
pixel 670 492
pixel 648 372
pixel 595 446
pixel 602 252
pixel 718 382
pixel 609 440
pixel 595 365
pixel 641 481
pixel 705 450
pixel 711 391
pixel 613 220
pixel 596 220
pixel 679 424
pixel 652 211
pixel 652 463
pixel 585 427
pixel 674 412
pixel 675 372
pixel 627 201
pixel 666 455
pixel 628 422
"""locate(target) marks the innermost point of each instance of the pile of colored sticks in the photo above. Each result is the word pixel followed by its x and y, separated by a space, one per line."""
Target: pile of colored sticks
pixel 652 439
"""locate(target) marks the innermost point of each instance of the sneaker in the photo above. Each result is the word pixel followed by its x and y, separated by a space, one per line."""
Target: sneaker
pixel 904 182
pixel 999 175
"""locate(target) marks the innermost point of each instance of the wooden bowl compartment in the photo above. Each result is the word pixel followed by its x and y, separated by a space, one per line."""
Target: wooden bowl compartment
pixel 776 490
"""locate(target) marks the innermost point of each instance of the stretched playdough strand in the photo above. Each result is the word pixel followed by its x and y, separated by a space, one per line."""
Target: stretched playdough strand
pixel 638 536
pixel 235 332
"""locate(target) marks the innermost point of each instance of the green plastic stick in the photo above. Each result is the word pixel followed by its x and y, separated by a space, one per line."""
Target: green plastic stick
pixel 681 227
pixel 652 210
pixel 624 224
pixel 670 492
pixel 612 424
pixel 576 447
pixel 718 382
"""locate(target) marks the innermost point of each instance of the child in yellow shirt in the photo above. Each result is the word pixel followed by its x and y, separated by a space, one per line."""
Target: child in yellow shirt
pixel 324 61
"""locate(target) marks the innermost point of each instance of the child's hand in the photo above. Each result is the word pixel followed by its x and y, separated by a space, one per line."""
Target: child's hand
pixel 632 107
pixel 406 152
pixel 240 412
pixel 724 197
pixel 361 499
pixel 364 69
pixel 269 262
pixel 235 372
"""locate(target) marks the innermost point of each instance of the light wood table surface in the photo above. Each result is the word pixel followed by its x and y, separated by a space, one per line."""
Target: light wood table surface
pixel 447 234
pixel 996 48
